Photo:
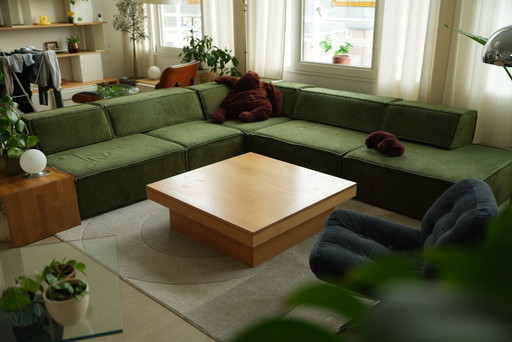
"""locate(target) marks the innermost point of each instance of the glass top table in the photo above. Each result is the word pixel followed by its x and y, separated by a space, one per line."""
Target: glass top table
pixel 104 313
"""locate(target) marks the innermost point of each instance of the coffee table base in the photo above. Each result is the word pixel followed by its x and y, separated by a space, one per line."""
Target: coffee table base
pixel 249 255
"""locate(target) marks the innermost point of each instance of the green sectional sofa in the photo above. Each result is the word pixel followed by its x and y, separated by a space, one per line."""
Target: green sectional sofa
pixel 115 147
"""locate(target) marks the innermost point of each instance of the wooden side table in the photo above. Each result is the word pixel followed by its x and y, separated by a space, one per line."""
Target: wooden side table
pixel 37 208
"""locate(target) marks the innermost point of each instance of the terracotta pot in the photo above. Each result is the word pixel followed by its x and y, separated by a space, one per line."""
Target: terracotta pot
pixel 73 47
pixel 341 59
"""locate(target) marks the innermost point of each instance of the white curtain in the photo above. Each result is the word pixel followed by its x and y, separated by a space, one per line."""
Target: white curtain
pixel 266 37
pixel 414 65
pixel 218 22
pixel 473 84
pixel 407 48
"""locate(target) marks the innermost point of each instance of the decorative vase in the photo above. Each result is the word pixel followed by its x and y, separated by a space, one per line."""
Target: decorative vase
pixel 73 47
pixel 71 20
pixel 67 312
pixel 341 59
pixel 27 316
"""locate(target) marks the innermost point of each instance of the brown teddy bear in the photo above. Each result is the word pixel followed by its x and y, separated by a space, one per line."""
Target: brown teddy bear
pixel 249 99
pixel 385 142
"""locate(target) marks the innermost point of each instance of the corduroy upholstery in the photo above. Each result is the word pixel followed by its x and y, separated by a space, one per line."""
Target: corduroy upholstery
pixel 348 238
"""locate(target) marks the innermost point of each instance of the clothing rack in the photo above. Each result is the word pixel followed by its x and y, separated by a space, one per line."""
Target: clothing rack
pixel 38 67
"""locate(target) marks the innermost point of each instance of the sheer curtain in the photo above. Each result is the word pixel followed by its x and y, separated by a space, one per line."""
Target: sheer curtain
pixel 218 22
pixel 266 37
pixel 407 48
pixel 473 84
pixel 418 62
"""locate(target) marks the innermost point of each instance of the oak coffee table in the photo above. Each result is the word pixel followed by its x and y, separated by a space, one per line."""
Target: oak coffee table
pixel 250 207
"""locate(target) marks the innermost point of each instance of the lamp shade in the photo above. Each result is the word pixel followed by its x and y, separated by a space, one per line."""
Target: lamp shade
pixel 498 49
pixel 33 161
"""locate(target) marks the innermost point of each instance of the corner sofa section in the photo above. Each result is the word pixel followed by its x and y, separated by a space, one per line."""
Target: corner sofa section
pixel 115 147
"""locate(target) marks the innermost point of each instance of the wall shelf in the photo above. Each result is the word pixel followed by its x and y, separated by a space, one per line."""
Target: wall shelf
pixel 54 25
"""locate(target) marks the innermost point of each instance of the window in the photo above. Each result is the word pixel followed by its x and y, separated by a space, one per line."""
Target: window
pixel 336 23
pixel 176 21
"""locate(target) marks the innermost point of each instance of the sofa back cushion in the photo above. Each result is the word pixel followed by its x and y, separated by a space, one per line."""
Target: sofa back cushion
pixel 69 127
pixel 356 111
pixel 210 95
pixel 147 111
pixel 442 126
pixel 290 92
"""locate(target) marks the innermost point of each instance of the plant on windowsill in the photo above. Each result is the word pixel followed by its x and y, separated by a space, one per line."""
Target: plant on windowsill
pixel 202 49
pixel 14 137
pixel 342 55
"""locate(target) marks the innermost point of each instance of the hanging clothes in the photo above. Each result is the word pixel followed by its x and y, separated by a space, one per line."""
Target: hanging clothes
pixel 24 67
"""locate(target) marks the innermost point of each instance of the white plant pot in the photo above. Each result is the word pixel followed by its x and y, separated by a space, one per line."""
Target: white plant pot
pixel 68 312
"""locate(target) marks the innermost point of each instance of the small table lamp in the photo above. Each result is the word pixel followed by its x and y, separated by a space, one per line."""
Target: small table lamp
pixel 498 49
pixel 33 163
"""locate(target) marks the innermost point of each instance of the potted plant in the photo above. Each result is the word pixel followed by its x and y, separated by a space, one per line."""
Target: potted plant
pixel 74 40
pixel 62 270
pixel 203 50
pixel 342 55
pixel 66 300
pixel 14 137
pixel 131 20
pixel 22 301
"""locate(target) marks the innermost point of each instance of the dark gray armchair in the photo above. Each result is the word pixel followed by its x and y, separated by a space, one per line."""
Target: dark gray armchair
pixel 348 238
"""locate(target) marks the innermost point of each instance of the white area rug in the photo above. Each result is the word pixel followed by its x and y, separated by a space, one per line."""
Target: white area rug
pixel 214 292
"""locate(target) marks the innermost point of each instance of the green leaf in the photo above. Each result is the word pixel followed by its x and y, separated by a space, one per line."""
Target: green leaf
pixel 287 330
pixel 14 153
pixel 14 298
pixel 478 39
pixel 32 141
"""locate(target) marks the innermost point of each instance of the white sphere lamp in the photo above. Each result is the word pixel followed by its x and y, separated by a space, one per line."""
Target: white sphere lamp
pixel 154 72
pixel 33 163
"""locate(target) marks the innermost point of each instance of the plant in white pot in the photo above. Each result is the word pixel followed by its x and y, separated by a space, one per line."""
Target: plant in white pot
pixel 66 300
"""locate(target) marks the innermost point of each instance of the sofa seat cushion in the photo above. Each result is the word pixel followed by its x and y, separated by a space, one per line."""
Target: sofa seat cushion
pixel 114 173
pixel 147 111
pixel 304 143
pixel 423 173
pixel 205 142
pixel 69 127
pixel 248 127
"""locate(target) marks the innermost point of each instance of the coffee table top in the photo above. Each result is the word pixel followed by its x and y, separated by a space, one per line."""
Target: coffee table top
pixel 251 191
pixel 104 314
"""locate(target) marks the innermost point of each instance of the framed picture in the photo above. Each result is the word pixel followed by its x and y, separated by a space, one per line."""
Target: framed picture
pixel 51 46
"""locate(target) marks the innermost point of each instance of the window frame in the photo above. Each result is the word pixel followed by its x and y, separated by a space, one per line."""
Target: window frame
pixel 324 69
pixel 159 48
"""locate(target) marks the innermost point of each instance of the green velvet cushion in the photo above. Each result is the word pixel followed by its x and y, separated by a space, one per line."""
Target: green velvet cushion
pixel 304 143
pixel 446 127
pixel 249 127
pixel 114 173
pixel 341 108
pixel 411 183
pixel 290 92
pixel 205 142
pixel 211 95
pixel 146 111
pixel 64 128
